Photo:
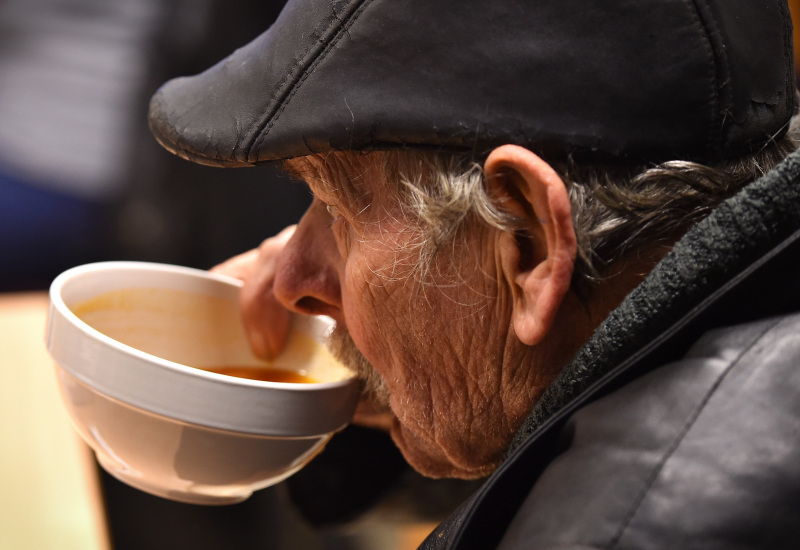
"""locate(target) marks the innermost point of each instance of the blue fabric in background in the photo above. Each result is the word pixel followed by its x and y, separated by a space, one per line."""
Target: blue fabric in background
pixel 43 232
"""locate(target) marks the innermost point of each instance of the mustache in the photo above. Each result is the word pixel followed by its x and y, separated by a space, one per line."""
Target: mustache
pixel 344 349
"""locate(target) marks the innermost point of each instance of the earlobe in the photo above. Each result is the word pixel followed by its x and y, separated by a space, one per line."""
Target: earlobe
pixel 538 261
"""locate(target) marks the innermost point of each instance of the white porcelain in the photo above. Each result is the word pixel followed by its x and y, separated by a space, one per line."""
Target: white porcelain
pixel 122 335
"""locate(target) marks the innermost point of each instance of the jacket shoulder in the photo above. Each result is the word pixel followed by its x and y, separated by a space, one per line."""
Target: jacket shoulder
pixel 699 453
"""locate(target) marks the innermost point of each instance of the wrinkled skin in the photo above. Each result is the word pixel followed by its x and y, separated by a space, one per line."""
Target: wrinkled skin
pixel 456 375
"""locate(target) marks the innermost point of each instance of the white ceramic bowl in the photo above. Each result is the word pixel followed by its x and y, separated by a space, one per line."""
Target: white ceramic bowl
pixel 127 338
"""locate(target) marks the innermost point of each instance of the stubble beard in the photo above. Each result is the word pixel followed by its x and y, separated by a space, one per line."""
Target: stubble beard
pixel 344 349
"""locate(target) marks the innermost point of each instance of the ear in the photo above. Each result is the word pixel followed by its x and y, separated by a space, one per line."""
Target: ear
pixel 538 261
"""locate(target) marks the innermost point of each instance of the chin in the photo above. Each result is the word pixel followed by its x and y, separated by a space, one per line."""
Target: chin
pixel 431 460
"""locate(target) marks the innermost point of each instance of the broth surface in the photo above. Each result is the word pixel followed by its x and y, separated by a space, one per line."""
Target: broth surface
pixel 266 374
pixel 197 330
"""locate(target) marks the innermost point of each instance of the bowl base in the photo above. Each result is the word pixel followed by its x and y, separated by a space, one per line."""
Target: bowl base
pixel 197 494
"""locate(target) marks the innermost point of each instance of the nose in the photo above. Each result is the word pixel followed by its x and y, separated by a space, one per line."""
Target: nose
pixel 307 274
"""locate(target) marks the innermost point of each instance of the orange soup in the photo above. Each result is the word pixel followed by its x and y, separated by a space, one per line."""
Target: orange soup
pixel 267 374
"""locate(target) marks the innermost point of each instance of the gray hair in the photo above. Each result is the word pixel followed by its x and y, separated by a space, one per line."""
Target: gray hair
pixel 617 210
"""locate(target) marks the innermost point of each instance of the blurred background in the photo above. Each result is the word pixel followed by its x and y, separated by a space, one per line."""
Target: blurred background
pixel 81 180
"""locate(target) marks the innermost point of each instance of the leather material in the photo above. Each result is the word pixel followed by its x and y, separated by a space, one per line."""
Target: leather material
pixel 699 454
pixel 705 79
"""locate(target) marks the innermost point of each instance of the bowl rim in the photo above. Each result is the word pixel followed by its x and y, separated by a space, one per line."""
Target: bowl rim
pixel 165 376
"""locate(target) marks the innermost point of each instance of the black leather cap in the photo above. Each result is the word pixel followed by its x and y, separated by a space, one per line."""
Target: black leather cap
pixel 644 80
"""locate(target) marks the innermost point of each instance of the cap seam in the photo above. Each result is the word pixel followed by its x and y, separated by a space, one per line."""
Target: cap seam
pixel 319 30
pixel 297 67
pixel 706 22
pixel 788 56
pixel 307 68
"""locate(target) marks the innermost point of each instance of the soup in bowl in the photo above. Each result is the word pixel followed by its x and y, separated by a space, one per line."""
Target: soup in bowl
pixel 158 378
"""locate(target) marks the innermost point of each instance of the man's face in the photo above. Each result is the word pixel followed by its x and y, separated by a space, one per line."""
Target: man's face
pixel 455 376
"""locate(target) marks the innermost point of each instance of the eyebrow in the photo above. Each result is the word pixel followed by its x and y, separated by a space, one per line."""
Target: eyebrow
pixel 314 169
pixel 293 173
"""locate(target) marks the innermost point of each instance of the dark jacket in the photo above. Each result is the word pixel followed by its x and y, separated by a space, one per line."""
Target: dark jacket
pixel 678 424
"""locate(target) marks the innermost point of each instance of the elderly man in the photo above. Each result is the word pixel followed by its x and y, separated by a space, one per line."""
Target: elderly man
pixel 542 231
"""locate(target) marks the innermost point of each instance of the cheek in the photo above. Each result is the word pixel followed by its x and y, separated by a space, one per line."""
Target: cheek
pixel 436 348
pixel 374 319
pixel 378 298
